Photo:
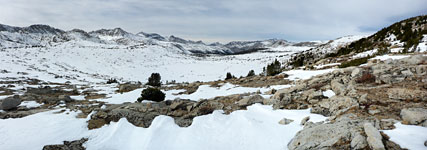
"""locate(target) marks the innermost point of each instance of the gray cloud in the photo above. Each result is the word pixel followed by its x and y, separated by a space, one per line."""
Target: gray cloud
pixel 217 20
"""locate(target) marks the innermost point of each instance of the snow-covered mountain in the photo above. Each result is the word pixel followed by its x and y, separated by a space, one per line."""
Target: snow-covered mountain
pixel 44 35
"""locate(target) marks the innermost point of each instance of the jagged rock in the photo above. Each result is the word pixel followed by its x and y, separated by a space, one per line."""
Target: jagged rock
pixel 65 98
pixel 414 60
pixel 10 102
pixel 337 87
pixel 358 142
pixel 285 121
pixel 337 104
pixel 414 115
pixel 250 100
pixel 356 72
pixel 304 120
pixel 68 145
pixel 315 95
pixel 374 137
pixel 387 124
pixel 337 135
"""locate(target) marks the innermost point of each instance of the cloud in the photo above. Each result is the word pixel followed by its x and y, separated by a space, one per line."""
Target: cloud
pixel 218 20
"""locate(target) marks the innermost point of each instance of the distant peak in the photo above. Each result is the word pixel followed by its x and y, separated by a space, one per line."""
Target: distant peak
pixel 111 32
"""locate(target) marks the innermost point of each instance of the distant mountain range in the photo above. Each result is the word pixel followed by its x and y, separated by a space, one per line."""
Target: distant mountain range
pixel 45 36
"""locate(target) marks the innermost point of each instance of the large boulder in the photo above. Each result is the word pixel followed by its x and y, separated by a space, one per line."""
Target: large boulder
pixel 414 115
pixel 338 135
pixel 374 137
pixel 10 103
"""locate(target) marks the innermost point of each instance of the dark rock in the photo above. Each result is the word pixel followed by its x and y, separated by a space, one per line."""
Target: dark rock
pixel 11 103
pixel 68 145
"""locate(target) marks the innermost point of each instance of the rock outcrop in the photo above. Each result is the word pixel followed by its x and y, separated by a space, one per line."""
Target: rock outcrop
pixel 10 103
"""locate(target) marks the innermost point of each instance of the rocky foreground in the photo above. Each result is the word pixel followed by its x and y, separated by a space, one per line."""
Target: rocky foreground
pixel 361 102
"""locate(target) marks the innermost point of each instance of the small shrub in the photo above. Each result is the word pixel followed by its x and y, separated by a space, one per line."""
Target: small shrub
pixel 354 62
pixel 152 94
pixel 251 73
pixel 366 78
pixel 154 79
pixel 274 68
pixel 229 76
pixel 112 80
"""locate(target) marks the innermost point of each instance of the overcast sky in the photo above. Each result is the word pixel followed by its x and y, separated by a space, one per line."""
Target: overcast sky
pixel 217 20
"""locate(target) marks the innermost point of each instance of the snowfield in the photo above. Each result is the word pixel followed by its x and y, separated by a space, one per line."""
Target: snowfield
pixel 97 63
pixel 213 131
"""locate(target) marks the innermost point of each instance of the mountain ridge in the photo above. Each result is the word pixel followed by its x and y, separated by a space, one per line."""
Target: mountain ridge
pixel 44 35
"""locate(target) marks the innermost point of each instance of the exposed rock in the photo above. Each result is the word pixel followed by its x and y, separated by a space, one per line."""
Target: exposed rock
pixel 387 124
pixel 68 145
pixel 126 87
pixel 337 135
pixel 356 72
pixel 406 94
pixel 337 87
pixel 285 121
pixel 358 142
pixel 10 102
pixel 414 115
pixel 250 100
pixel 374 137
pixel 304 120
pixel 338 104
pixel 65 98
pixel 414 60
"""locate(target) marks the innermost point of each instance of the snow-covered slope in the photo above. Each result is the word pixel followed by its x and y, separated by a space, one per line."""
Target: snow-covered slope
pixel 47 52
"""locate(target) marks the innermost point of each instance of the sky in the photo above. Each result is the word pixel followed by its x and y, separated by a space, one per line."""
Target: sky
pixel 217 20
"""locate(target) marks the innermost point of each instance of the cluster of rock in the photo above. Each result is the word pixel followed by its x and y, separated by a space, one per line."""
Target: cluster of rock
pixel 367 98
pixel 68 145
pixel 183 111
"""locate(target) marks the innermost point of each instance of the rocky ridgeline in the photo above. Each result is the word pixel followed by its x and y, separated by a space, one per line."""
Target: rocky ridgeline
pixel 368 98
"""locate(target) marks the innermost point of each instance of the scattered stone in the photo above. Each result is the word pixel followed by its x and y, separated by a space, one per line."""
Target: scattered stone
pixel 304 120
pixel 68 145
pixel 374 137
pixel 285 121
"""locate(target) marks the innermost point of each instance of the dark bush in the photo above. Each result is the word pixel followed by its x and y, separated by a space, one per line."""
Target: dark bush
pixel 274 68
pixel 251 73
pixel 366 78
pixel 112 80
pixel 154 79
pixel 152 94
pixel 229 76
pixel 354 62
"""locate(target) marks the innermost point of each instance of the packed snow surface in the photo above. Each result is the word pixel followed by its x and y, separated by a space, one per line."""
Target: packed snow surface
pixel 305 74
pixel 408 136
pixel 30 104
pixel 328 93
pixel 213 131
pixel 385 57
pixel 91 62
pixel 203 92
